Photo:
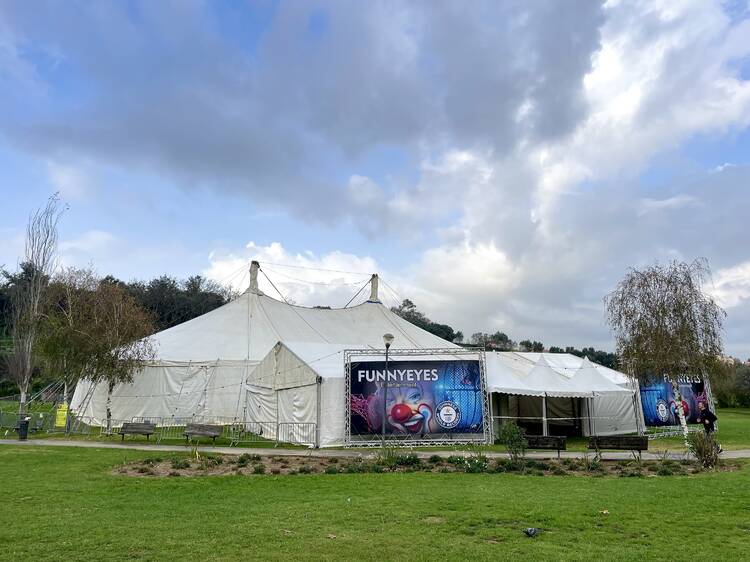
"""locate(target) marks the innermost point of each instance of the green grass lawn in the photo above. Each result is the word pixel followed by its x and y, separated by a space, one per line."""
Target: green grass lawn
pixel 65 504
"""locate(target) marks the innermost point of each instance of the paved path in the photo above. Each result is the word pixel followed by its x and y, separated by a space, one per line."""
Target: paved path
pixel 341 453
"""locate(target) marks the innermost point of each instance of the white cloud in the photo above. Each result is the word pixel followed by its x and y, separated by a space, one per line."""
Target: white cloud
pixel 329 279
pixel 71 182
pixel 731 285
pixel 655 205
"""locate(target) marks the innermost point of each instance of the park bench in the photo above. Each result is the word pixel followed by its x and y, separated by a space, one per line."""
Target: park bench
pixel 137 428
pixel 619 443
pixel 202 430
pixel 550 442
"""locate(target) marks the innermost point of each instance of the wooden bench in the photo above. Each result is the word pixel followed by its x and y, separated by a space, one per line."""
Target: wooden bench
pixel 619 443
pixel 137 428
pixel 550 442
pixel 202 430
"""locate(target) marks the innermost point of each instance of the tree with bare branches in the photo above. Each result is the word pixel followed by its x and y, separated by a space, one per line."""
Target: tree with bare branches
pixel 27 292
pixel 666 325
pixel 93 329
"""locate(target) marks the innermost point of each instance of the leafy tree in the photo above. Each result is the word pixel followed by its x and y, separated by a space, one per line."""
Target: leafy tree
pixel 499 341
pixel 93 329
pixel 664 324
pixel 173 302
pixel 528 345
pixel 409 312
pixel 733 390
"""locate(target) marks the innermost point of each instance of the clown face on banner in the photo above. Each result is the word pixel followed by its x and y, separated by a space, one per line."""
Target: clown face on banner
pixel 419 398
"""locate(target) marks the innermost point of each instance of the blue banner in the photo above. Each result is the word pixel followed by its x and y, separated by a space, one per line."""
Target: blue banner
pixel 660 408
pixel 423 397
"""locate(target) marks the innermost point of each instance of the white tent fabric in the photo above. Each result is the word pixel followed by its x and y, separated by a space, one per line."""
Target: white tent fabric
pixel 545 378
pixel 587 377
pixel 226 364
pixel 501 377
pixel 260 359
pixel 615 412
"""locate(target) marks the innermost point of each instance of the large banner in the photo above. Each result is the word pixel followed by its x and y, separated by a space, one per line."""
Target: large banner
pixel 424 398
pixel 659 406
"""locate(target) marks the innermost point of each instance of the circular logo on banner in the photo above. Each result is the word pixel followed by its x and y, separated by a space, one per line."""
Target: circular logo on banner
pixel 447 415
pixel 662 412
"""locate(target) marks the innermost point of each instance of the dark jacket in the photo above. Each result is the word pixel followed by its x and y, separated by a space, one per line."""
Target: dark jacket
pixel 707 418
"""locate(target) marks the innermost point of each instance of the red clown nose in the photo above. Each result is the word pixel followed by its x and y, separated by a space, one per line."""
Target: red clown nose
pixel 401 412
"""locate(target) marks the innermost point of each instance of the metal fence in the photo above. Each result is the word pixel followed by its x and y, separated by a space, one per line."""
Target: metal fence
pixel 172 428
pixel 297 433
pixel 253 432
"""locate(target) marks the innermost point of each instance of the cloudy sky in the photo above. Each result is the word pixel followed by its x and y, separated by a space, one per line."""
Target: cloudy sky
pixel 500 163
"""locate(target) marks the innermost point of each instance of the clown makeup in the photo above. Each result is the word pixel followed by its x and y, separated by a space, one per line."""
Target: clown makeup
pixel 409 408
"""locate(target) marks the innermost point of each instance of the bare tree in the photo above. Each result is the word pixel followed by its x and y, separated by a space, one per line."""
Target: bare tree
pixel 28 290
pixel 94 329
pixel 666 325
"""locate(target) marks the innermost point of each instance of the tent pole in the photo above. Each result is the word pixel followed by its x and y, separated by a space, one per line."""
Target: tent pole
pixel 317 413
pixel 545 429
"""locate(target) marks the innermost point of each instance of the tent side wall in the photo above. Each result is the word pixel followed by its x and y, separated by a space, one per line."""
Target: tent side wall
pixel 169 390
pixel 282 395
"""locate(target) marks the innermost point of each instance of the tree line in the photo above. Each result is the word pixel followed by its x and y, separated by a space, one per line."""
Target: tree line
pixel 498 341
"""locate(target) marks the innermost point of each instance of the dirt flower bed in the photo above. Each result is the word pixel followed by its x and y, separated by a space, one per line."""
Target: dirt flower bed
pixel 255 465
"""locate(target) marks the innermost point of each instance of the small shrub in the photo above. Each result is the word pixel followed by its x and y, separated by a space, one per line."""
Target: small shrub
pixel 455 459
pixel 152 461
pixel 144 470
pixel 559 471
pixel 306 469
pixel 354 467
pixel 213 460
pixel 537 472
pixel 246 458
pixel 539 465
pixel 376 468
pixel 515 466
pixel 331 470
pixel 409 459
pixel 664 471
pixel 475 464
pixel 178 464
pixel 513 437
pixel 705 448
pixel 435 459
pixel 388 456
pixel 292 472
pixel 259 469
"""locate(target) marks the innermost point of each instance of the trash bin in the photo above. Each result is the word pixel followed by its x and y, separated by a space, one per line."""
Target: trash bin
pixel 23 428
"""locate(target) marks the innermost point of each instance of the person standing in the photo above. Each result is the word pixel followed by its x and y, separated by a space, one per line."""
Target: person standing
pixel 708 419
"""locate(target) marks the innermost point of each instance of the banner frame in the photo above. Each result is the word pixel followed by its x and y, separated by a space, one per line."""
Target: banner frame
pixel 485 438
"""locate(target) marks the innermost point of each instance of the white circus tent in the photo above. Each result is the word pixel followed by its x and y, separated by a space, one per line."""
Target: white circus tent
pixel 264 361
pixel 255 358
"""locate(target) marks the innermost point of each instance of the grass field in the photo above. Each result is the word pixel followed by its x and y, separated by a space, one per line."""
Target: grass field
pixel 64 503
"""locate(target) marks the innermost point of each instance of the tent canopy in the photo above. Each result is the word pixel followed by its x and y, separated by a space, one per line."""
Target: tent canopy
pixel 249 326
pixel 587 377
